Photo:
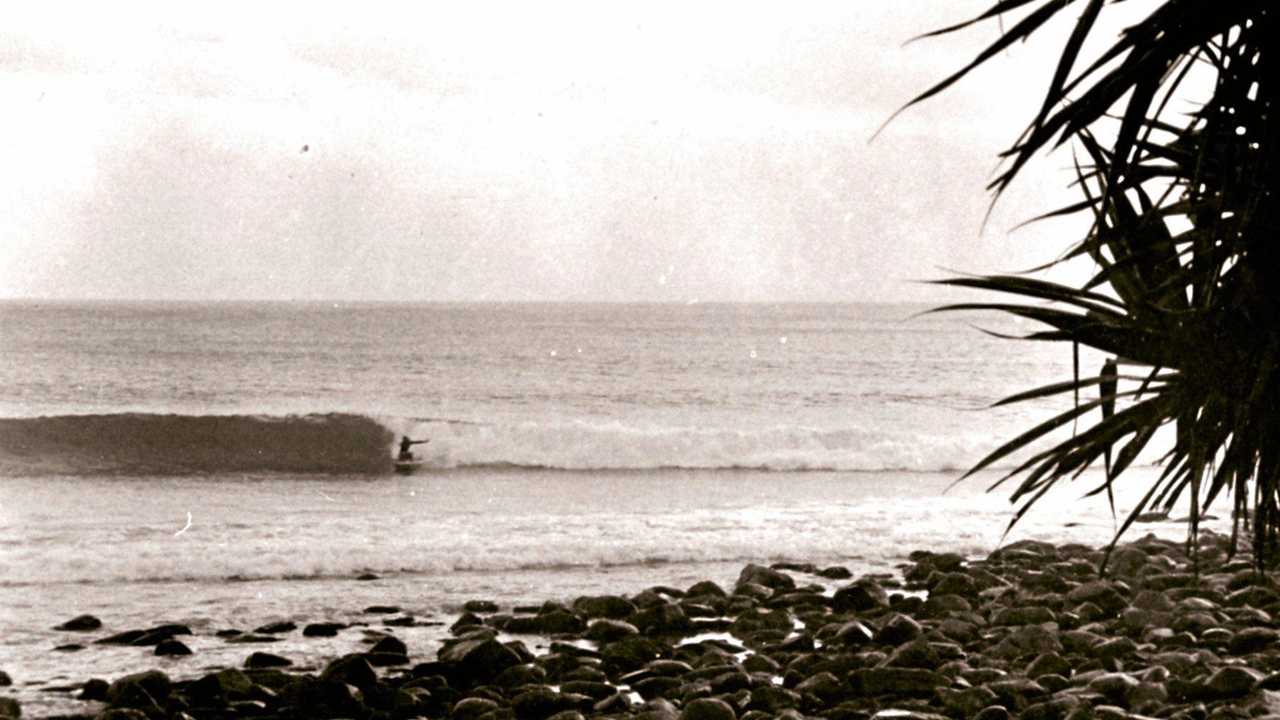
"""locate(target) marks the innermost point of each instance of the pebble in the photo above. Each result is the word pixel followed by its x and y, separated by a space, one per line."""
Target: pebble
pixel 1029 632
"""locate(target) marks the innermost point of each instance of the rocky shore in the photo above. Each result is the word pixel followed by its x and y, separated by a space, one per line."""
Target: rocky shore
pixel 1029 632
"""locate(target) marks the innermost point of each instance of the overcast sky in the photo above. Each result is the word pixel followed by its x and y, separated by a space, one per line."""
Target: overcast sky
pixel 532 151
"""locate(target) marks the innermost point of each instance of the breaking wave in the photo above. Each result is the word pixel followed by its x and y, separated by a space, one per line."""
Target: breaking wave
pixel 340 443
pixel 147 444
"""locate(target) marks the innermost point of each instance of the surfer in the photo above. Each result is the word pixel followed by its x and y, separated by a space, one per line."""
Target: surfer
pixel 405 444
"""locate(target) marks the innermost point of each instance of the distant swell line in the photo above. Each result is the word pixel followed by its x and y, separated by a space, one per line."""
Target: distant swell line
pixel 153 444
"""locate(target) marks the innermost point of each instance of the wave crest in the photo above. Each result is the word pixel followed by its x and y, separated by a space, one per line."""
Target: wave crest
pixel 150 444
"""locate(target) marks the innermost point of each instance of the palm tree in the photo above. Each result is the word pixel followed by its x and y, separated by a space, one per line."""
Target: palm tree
pixel 1183 236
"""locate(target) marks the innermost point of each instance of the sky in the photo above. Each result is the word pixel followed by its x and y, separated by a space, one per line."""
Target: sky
pixel 548 151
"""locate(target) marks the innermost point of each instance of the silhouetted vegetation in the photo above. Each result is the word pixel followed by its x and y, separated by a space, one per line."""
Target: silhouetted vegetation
pixel 1183 238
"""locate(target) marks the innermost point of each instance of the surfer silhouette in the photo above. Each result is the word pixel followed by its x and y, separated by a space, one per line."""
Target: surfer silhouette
pixel 405 444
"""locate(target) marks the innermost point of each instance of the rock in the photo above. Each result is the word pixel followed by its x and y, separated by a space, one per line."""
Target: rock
pixel 323 698
pixel 322 629
pixel 472 708
pixel 994 712
pixel 390 644
pixel 480 606
pixel 708 709
pixel 94 689
pixel 153 683
pixel 1252 639
pixel 1102 593
pixel 537 703
pixel 382 609
pixel 897 630
pixel 835 572
pixel 518 675
pixel 1233 681
pixel 915 654
pixel 862 596
pixel 1115 648
pixel 5 680
pixel 1016 693
pixel 353 670
pixel 10 709
pixel 768 577
pixel 80 623
pixel 1050 663
pixel 772 699
pixel 172 648
pixel 606 630
pixel 664 619
pixel 1029 640
pixel 266 660
pixel 896 681
pixel 854 634
pixel 1152 600
pixel 604 606
pixel 69 647
pixel 967 702
pixel 825 686
pixel 274 628
pixel 705 588
pixel 1127 561
pixel 955 583
pixel 1024 615
pixel 1115 687
pixel 216 689
pixel 480 660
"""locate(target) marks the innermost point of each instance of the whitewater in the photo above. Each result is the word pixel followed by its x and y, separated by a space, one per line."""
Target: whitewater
pixel 229 465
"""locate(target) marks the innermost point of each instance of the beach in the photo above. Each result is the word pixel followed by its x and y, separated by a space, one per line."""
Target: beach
pixel 225 469
pixel 1027 631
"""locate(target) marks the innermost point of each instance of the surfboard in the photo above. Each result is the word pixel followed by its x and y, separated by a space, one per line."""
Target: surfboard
pixel 405 467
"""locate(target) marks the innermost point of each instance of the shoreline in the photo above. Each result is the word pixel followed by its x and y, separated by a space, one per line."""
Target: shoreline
pixel 1029 631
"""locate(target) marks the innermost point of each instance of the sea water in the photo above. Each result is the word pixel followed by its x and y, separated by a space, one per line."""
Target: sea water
pixel 229 465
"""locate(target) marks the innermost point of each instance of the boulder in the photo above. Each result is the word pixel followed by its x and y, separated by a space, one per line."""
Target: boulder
pixel 478 661
pixel 604 606
pixel 768 577
pixel 1024 615
pixel 1102 593
pixel 854 634
pixel 664 619
pixel 896 681
pixel 538 702
pixel 708 709
pixel 606 630
pixel 472 708
pixel 706 588
pixel 266 660
pixel 1233 681
pixel 353 670
pixel 390 644
pixel 322 629
pixel 897 630
pixel 153 683
pixel 967 702
pixel 1252 640
pixel 627 654
pixel 80 623
pixel 172 648
pixel 862 596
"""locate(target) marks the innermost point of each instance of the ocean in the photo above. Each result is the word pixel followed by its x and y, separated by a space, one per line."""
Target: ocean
pixel 228 465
